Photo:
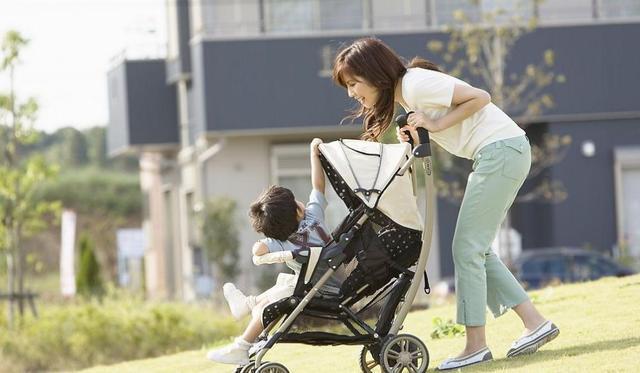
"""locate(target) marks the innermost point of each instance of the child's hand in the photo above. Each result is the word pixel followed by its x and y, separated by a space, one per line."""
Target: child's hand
pixel 314 146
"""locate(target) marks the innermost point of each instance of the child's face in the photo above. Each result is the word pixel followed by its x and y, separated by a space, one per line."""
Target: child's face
pixel 300 210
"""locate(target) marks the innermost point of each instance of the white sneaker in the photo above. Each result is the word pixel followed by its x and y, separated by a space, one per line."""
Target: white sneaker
pixel 531 342
pixel 257 347
pixel 235 353
pixel 236 299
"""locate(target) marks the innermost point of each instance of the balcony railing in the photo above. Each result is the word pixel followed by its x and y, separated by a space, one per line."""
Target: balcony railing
pixel 229 18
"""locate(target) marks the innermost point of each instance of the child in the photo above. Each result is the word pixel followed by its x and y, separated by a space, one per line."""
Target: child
pixel 288 225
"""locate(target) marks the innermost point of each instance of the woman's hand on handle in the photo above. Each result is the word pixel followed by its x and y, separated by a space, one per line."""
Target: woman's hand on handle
pixel 403 137
pixel 420 119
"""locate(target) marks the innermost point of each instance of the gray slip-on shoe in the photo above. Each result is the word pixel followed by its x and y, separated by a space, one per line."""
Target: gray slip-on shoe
pixel 465 361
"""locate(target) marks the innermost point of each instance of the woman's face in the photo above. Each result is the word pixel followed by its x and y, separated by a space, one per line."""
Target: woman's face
pixel 363 92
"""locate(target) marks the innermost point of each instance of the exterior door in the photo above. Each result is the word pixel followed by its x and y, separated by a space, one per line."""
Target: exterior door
pixel 628 199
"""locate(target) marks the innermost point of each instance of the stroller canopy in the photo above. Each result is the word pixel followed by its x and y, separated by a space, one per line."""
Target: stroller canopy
pixel 370 170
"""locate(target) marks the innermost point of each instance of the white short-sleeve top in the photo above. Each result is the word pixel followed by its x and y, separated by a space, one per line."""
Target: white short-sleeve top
pixel 431 92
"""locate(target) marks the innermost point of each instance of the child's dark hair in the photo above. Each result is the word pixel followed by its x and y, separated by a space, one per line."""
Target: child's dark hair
pixel 275 213
pixel 374 61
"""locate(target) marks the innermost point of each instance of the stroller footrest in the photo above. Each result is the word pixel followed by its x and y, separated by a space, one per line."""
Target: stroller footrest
pixel 326 339
pixel 327 305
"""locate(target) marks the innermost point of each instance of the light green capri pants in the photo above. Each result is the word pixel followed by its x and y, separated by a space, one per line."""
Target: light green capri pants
pixel 482 280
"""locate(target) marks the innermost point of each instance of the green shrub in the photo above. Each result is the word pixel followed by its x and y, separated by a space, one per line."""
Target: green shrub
pixel 220 236
pixel 85 334
pixel 88 281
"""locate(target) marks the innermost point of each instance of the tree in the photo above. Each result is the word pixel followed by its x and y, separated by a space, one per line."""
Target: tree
pixel 88 282
pixel 97 146
pixel 22 212
pixel 220 235
pixel 71 151
pixel 478 48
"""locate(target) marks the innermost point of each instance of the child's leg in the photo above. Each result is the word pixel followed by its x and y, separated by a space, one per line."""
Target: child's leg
pixel 240 304
pixel 253 330
pixel 238 351
pixel 283 288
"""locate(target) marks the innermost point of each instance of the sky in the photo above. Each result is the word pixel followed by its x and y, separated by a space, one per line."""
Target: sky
pixel 73 44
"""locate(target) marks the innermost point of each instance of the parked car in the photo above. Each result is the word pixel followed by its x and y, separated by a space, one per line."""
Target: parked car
pixel 536 268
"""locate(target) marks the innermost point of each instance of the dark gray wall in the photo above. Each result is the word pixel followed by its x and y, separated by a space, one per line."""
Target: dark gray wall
pixel 142 106
pixel 601 63
pixel 587 217
pixel 265 84
pixel 274 83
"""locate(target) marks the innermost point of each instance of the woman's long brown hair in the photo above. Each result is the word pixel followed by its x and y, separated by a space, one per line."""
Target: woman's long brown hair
pixel 380 66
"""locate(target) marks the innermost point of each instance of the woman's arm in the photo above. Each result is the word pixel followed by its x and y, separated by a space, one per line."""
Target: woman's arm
pixel 467 100
pixel 317 173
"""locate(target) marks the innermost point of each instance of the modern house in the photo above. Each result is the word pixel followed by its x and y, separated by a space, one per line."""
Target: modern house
pixel 246 85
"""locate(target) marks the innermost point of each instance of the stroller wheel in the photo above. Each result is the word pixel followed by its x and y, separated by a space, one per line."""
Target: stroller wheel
pixel 404 352
pixel 272 368
pixel 368 364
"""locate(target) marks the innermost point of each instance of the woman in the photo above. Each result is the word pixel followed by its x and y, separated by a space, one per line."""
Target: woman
pixel 463 121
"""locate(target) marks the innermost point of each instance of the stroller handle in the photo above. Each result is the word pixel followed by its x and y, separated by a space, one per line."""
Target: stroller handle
pixel 424 148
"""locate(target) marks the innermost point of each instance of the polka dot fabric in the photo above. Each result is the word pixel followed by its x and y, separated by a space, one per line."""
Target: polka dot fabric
pixel 400 244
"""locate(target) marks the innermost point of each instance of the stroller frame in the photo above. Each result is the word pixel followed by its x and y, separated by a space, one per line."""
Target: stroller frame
pixel 378 341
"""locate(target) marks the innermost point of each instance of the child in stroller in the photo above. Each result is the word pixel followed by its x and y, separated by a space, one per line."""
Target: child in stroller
pixel 381 238
pixel 288 225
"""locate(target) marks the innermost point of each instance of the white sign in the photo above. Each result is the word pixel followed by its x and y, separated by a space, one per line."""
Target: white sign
pixel 67 254
pixel 130 243
pixel 130 257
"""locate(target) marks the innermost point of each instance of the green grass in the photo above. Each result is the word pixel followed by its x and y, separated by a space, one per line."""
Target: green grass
pixel 599 323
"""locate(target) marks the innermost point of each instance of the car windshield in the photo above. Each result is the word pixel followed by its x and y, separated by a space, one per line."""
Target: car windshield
pixel 549 266
pixel 588 267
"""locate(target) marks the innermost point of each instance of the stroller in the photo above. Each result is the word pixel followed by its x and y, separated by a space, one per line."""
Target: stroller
pixel 377 244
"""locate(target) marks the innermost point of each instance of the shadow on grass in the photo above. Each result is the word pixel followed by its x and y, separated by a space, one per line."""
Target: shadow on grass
pixel 504 363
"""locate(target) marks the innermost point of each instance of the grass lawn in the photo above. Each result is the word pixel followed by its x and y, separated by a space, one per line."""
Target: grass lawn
pixel 599 323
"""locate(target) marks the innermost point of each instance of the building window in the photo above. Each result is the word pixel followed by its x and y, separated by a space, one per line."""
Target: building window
pixel 614 9
pixel 565 11
pixel 627 195
pixel 290 168
pixel 312 15
pixel 230 17
pixel 340 14
pixel 399 15
pixel 260 17
pixel 444 11
pixel 288 15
